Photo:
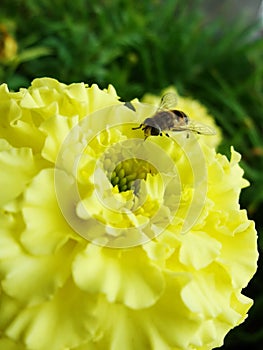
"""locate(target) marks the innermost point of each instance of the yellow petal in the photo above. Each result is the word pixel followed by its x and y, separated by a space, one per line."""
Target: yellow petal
pixel 241 266
pixel 123 279
pixel 209 294
pixel 47 326
pixel 10 227
pixel 38 277
pixel 198 249
pixel 165 325
pixel 46 228
pixel 18 166
pixel 56 129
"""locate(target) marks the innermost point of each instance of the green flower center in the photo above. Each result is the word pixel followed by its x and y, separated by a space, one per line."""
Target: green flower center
pixel 128 173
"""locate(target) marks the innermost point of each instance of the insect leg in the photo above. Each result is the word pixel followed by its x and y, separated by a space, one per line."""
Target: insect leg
pixel 138 127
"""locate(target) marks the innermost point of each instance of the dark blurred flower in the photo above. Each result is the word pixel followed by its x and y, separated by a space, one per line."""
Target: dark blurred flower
pixel 8 45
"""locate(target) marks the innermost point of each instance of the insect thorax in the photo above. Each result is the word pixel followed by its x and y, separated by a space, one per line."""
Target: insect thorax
pixel 163 120
pixel 180 116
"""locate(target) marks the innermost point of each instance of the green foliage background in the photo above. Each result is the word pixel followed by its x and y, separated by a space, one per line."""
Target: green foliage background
pixel 144 47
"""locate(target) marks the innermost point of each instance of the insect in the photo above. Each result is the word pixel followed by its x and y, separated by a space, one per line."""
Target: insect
pixel 168 119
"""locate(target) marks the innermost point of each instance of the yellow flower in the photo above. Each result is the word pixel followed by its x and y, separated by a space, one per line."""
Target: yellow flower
pixel 109 241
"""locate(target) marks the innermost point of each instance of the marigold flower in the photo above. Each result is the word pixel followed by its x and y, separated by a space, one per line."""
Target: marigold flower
pixel 109 241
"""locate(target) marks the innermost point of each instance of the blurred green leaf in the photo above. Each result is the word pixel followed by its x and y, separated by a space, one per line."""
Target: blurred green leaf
pixel 32 53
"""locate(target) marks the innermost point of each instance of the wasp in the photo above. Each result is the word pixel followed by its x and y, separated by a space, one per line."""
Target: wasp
pixel 168 119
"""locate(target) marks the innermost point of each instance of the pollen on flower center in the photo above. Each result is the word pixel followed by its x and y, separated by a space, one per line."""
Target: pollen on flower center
pixel 127 172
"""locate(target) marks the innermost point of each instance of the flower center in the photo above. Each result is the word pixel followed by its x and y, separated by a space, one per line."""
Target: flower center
pixel 128 173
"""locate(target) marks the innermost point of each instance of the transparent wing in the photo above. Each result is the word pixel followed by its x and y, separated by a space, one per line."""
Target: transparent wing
pixel 196 127
pixel 168 101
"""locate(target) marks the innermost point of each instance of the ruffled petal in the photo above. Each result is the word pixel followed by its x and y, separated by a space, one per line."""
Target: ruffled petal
pixel 123 279
pixel 241 267
pixel 56 129
pixel 198 249
pixel 10 228
pixel 42 215
pixel 167 324
pixel 209 295
pixel 45 274
pixel 32 324
pixel 19 167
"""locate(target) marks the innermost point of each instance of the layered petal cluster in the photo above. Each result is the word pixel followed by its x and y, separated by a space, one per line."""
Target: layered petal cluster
pixel 108 241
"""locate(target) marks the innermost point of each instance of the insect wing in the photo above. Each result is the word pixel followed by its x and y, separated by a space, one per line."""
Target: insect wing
pixel 196 127
pixel 168 101
pixel 200 128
